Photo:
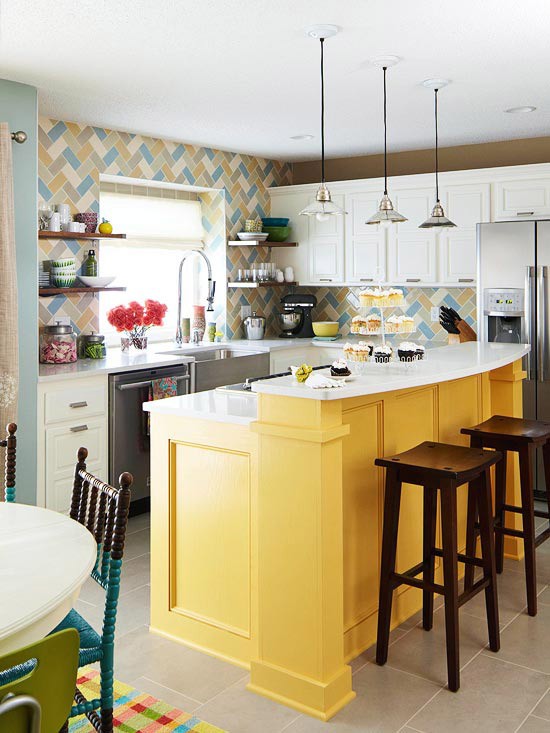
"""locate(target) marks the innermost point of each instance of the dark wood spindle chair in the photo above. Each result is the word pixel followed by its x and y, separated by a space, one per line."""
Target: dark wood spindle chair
pixel 103 510
pixel 7 492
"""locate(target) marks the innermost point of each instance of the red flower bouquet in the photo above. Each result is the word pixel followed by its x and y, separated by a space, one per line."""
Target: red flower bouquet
pixel 135 320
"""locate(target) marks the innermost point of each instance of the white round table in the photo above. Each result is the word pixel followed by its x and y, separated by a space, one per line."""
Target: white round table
pixel 45 558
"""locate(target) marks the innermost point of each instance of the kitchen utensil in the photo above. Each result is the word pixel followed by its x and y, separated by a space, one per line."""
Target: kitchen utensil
pixel 277 234
pixel 325 328
pixel 57 345
pixel 254 327
pixel 289 321
pixel 96 282
pixel 297 309
pixel 275 222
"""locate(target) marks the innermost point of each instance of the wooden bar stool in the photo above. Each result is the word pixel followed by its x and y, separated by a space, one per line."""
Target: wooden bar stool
pixel 436 466
pixel 523 437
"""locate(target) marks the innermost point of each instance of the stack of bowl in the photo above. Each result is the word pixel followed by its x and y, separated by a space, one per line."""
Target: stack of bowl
pixel 63 272
pixel 277 229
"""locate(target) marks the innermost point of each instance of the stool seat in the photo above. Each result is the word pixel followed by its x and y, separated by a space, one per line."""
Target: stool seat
pixel 516 428
pixel 441 461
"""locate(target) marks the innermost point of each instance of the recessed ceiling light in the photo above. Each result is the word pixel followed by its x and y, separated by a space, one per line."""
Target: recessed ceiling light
pixel 301 137
pixel 520 110
pixel 388 60
pixel 321 30
pixel 435 83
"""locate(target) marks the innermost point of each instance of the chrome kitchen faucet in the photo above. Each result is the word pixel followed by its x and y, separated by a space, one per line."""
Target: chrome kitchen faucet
pixel 209 297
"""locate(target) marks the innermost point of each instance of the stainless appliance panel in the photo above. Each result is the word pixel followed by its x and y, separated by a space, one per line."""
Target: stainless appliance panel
pixel 212 373
pixel 542 356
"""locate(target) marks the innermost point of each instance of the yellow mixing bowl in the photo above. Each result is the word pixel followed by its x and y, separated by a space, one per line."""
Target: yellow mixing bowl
pixel 326 328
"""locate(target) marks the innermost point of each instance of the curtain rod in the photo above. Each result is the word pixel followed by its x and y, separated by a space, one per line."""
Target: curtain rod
pixel 19 136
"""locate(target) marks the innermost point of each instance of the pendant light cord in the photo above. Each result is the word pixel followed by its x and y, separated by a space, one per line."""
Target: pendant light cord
pixel 385 68
pixel 436 151
pixel 322 112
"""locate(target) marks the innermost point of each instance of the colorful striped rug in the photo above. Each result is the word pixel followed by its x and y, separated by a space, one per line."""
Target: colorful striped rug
pixel 137 712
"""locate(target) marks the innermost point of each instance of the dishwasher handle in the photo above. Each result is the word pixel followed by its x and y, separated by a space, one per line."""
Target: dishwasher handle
pixel 145 383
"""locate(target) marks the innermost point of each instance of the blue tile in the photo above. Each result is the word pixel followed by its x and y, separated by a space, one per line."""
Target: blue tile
pixel 413 308
pixel 210 154
pixel 426 330
pixel 217 174
pixel 57 130
pixel 451 302
pixel 43 190
pixel 178 152
pixel 159 176
pixel 243 170
pixel 268 168
pixel 100 132
pixel 85 185
pixel 71 158
pixel 332 299
pixel 252 191
pixel 188 175
pixel 110 155
pixel 144 150
pixel 206 224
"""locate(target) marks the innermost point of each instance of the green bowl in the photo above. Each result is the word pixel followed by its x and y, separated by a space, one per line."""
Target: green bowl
pixel 277 234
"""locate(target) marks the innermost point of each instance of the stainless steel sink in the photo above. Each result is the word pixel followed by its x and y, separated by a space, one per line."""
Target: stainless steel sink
pixel 218 367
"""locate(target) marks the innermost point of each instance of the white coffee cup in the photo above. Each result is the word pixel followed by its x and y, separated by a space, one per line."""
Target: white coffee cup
pixel 73 226
pixel 289 274
pixel 55 222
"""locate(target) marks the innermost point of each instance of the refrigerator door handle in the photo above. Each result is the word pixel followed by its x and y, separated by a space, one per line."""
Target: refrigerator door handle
pixel 542 302
pixel 529 330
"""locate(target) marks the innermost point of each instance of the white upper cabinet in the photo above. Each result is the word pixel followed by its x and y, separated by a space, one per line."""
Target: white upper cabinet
pixel 412 251
pixel 326 247
pixel 365 243
pixel 522 199
pixel 465 206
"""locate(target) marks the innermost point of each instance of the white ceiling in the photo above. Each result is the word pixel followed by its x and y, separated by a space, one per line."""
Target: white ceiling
pixel 241 75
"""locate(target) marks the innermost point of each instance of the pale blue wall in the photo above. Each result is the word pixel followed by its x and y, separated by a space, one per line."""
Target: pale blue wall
pixel 18 107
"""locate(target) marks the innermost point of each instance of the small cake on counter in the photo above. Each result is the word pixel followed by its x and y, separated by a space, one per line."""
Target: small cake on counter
pixel 374 322
pixel 382 353
pixel 358 352
pixel 358 324
pixel 420 351
pixel 406 351
pixel 339 368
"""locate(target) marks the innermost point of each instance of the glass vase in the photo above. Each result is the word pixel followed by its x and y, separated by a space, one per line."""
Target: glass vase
pixel 138 342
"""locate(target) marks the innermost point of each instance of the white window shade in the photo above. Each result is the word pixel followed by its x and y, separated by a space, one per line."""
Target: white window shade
pixel 150 221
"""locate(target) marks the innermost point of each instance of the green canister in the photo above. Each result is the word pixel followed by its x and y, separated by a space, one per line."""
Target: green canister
pixel 93 346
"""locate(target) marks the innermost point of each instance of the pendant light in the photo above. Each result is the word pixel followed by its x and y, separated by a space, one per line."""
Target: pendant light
pixel 437 218
pixel 386 214
pixel 323 206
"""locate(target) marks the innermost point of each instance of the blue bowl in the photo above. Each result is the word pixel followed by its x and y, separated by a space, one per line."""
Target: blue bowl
pixel 275 222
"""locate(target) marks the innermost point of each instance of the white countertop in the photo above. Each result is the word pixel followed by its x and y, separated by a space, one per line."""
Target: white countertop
pixel 439 365
pixel 240 409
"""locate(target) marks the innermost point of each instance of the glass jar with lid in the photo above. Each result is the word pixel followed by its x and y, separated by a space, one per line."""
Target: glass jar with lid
pixel 58 345
pixel 92 346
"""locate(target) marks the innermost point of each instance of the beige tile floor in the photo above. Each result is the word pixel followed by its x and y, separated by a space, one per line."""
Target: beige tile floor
pixel 504 692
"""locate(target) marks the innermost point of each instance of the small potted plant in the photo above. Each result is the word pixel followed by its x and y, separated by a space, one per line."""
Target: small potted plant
pixel 135 320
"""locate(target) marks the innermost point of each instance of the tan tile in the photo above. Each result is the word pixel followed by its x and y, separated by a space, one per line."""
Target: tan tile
pixel 544 597
pixel 386 699
pixel 494 697
pixel 135 572
pixel 133 609
pixel 369 654
pixel 424 652
pixel 137 543
pixel 166 694
pixel 237 709
pixel 525 640
pixel 512 598
pixel 137 652
pixel 543 708
pixel 140 521
pixel 534 725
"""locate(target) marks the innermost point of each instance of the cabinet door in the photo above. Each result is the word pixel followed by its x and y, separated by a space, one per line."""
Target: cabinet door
pixel 282 359
pixel 365 243
pixel 412 256
pixel 326 247
pixel 522 199
pixel 466 206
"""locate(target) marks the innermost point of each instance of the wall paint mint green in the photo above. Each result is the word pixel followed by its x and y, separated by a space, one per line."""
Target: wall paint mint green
pixel 18 107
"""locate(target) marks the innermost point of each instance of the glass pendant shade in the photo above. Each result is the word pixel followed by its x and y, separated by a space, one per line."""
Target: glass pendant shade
pixel 323 206
pixel 437 219
pixel 386 214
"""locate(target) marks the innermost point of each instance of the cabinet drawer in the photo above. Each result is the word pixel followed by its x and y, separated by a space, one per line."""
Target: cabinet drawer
pixel 59 489
pixel 75 403
pixel 62 444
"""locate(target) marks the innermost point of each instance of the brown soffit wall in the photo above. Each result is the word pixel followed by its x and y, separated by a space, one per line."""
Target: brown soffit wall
pixel 461 157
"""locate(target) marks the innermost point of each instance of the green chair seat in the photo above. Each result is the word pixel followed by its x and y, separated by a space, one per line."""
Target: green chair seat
pixel 90 640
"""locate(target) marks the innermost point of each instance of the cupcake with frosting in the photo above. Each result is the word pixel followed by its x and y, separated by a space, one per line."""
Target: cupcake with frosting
pixel 348 351
pixel 368 345
pixel 407 324
pixel 382 353
pixel 392 324
pixel 339 368
pixel 420 351
pixel 358 324
pixel 406 351
pixel 374 322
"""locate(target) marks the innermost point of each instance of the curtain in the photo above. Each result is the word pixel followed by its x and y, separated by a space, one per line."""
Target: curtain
pixel 9 348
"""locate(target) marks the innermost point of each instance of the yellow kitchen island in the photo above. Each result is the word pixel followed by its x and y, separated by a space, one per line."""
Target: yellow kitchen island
pixel 266 512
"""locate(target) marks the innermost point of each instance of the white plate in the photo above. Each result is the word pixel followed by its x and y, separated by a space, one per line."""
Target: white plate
pixel 252 236
pixel 96 282
pixel 346 378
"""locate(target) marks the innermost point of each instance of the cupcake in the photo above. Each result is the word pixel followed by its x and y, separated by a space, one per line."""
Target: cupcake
pixel 339 368
pixel 382 354
pixel 406 351
pixel 395 296
pixel 373 322
pixel 420 351
pixel 368 345
pixel 358 324
pixel 407 324
pixel 348 351
pixel 392 324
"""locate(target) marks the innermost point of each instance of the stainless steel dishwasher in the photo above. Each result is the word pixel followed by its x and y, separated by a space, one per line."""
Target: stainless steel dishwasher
pixel 129 442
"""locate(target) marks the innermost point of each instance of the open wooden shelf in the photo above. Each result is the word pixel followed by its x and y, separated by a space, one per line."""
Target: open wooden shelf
pixel 257 243
pixel 47 292
pixel 268 284
pixel 45 234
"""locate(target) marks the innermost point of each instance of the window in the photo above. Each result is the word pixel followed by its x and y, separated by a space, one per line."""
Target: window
pixel 159 232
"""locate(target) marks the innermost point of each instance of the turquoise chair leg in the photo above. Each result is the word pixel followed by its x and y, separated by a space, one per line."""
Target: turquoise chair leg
pixel 108 648
pixel 10 493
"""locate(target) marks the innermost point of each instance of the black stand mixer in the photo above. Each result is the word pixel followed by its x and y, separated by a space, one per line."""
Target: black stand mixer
pixel 295 319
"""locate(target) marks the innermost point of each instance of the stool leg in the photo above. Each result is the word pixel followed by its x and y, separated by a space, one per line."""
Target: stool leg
pixel 527 505
pixel 430 520
pixel 488 552
pixel 471 536
pixel 450 582
pixel 546 459
pixel 392 502
pixel 500 500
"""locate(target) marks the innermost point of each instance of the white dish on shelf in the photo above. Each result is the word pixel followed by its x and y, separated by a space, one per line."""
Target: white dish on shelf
pixel 252 236
pixel 96 282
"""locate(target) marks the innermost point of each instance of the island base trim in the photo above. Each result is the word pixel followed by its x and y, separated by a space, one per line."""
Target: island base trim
pixel 317 699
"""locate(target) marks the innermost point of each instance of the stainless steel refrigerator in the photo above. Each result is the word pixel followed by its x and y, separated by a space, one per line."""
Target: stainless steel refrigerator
pixel 513 303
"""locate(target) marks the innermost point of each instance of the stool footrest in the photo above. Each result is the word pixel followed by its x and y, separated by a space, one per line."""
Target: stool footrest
pixel 509 531
pixel 471 592
pixel 512 508
pixel 406 579
pixel 466 559
pixel 542 537
pixel 542 514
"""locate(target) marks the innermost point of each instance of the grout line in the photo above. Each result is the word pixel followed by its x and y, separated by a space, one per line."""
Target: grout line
pixel 131 559
pixel 160 684
pixel 538 717
pixel 138 587
pixel 287 726
pixel 237 682
pixel 515 664
pixel 406 723
pixel 531 711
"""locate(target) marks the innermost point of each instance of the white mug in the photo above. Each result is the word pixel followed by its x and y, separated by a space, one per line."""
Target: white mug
pixel 280 276
pixel 55 222
pixel 289 274
pixel 73 226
